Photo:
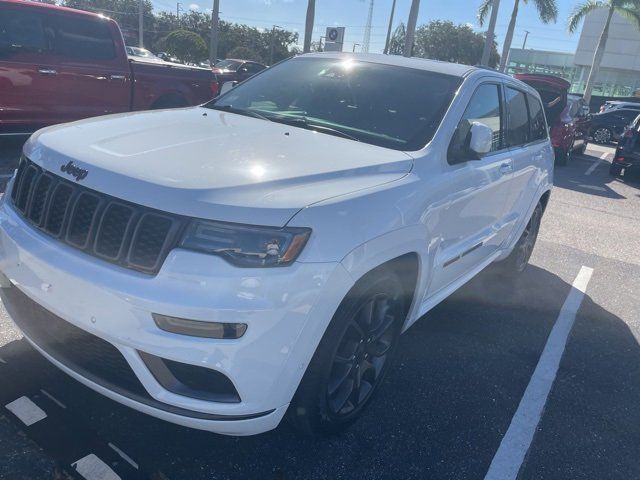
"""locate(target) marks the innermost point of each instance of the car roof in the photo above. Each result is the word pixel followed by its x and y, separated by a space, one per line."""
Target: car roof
pixel 48 6
pixel 437 66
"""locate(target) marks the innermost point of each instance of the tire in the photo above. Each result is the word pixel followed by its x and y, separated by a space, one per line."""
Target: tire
pixel 602 135
pixel 327 401
pixel 615 170
pixel 518 259
pixel 561 156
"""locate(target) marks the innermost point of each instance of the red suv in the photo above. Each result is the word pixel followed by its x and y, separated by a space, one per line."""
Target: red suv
pixel 567 122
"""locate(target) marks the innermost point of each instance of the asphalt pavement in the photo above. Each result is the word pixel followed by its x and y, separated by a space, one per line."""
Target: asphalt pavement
pixel 537 378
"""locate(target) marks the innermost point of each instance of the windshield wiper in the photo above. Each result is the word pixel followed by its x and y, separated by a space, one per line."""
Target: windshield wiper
pixel 304 123
pixel 239 111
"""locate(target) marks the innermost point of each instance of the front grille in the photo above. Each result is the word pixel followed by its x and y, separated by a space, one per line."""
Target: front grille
pixel 120 232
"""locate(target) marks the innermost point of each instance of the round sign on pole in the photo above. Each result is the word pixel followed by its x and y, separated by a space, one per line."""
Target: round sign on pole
pixel 333 34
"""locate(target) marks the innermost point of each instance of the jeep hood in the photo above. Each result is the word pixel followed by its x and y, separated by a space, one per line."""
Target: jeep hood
pixel 210 164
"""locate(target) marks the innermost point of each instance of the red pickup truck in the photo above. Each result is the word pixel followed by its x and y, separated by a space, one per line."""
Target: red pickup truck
pixel 59 64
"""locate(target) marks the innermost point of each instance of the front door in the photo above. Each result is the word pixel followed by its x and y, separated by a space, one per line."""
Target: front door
pixel 470 218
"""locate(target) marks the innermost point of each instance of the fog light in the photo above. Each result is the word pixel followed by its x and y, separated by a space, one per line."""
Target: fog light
pixel 197 328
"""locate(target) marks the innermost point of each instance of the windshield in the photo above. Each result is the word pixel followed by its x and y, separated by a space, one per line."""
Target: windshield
pixel 385 105
pixel 228 65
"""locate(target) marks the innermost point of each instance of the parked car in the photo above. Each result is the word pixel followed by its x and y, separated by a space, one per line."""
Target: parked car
pixel 142 53
pixel 223 266
pixel 609 126
pixel 59 64
pixel 167 57
pixel 235 70
pixel 615 105
pixel 627 156
pixel 568 123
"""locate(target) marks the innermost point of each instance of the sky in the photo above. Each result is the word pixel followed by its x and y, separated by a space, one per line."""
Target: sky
pixel 352 14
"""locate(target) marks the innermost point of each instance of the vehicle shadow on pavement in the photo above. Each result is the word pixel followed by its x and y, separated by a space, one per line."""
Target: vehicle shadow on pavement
pixel 572 177
pixel 441 413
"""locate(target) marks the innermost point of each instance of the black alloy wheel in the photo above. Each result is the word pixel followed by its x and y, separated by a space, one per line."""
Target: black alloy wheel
pixel 362 354
pixel 602 135
pixel 524 247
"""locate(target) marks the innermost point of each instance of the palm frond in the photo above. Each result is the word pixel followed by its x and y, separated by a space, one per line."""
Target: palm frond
pixel 631 13
pixel 483 10
pixel 547 10
pixel 582 10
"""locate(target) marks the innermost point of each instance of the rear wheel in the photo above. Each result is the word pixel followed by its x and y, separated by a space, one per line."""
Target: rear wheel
pixel 602 135
pixel 352 358
pixel 518 259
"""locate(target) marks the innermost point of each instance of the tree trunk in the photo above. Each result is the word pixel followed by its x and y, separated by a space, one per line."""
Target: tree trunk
pixel 308 28
pixel 506 46
pixel 386 43
pixel 597 58
pixel 491 34
pixel 409 38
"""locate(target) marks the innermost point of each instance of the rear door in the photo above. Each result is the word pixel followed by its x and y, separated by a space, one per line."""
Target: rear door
pixel 527 138
pixel 25 91
pixel 89 70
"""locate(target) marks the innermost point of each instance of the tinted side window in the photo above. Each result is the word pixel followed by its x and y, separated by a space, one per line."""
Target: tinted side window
pixel 82 38
pixel 538 123
pixel 21 31
pixel 628 115
pixel 484 107
pixel 518 118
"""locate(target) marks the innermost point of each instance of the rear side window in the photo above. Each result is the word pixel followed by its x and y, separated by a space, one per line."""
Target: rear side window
pixel 83 38
pixel 517 118
pixel 628 115
pixel 484 107
pixel 538 123
pixel 21 31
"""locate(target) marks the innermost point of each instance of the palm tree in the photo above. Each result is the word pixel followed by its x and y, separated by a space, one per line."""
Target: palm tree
pixel 308 27
pixel 627 8
pixel 547 11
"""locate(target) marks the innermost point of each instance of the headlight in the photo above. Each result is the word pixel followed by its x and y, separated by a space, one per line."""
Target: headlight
pixel 246 246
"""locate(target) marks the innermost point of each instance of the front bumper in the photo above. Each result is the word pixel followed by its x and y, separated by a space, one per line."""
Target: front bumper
pixel 286 310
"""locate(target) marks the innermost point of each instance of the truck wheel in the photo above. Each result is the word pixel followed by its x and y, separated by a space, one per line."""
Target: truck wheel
pixel 169 101
pixel 562 156
pixel 518 259
pixel 602 135
pixel 352 358
pixel 615 170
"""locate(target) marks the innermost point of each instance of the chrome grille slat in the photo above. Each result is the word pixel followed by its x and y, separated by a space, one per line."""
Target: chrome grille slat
pixel 130 235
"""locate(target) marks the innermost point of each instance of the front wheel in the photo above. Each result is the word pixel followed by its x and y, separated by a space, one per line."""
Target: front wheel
pixel 602 135
pixel 352 357
pixel 518 259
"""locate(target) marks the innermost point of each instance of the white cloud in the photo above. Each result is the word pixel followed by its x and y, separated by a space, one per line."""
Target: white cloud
pixel 194 6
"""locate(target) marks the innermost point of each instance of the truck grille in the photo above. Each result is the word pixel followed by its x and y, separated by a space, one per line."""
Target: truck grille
pixel 119 232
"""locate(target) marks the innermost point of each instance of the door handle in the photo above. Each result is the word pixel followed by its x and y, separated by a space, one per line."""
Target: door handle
pixel 47 71
pixel 506 168
pixel 117 77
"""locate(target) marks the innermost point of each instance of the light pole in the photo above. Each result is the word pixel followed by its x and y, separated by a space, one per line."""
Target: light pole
pixel 321 46
pixel 411 28
pixel 354 47
pixel 140 24
pixel 526 35
pixel 213 41
pixel 273 39
pixel 386 43
pixel 178 8
pixel 488 42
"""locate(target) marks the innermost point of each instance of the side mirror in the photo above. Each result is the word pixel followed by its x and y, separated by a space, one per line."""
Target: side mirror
pixel 480 138
pixel 226 86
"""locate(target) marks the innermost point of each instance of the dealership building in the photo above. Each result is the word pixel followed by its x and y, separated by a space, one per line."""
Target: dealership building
pixel 619 74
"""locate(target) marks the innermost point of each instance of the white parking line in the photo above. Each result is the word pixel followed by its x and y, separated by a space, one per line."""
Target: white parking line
pixel 27 411
pixel 92 468
pixel 53 399
pixel 516 442
pixel 596 162
pixel 2 360
pixel 125 457
pixel 6 175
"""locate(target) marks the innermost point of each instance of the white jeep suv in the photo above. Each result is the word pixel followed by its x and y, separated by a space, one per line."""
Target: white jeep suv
pixel 220 266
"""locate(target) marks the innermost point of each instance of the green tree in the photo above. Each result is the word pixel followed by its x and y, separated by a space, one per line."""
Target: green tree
pixel 547 12
pixel 629 9
pixel 187 46
pixel 396 42
pixel 442 40
pixel 245 53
